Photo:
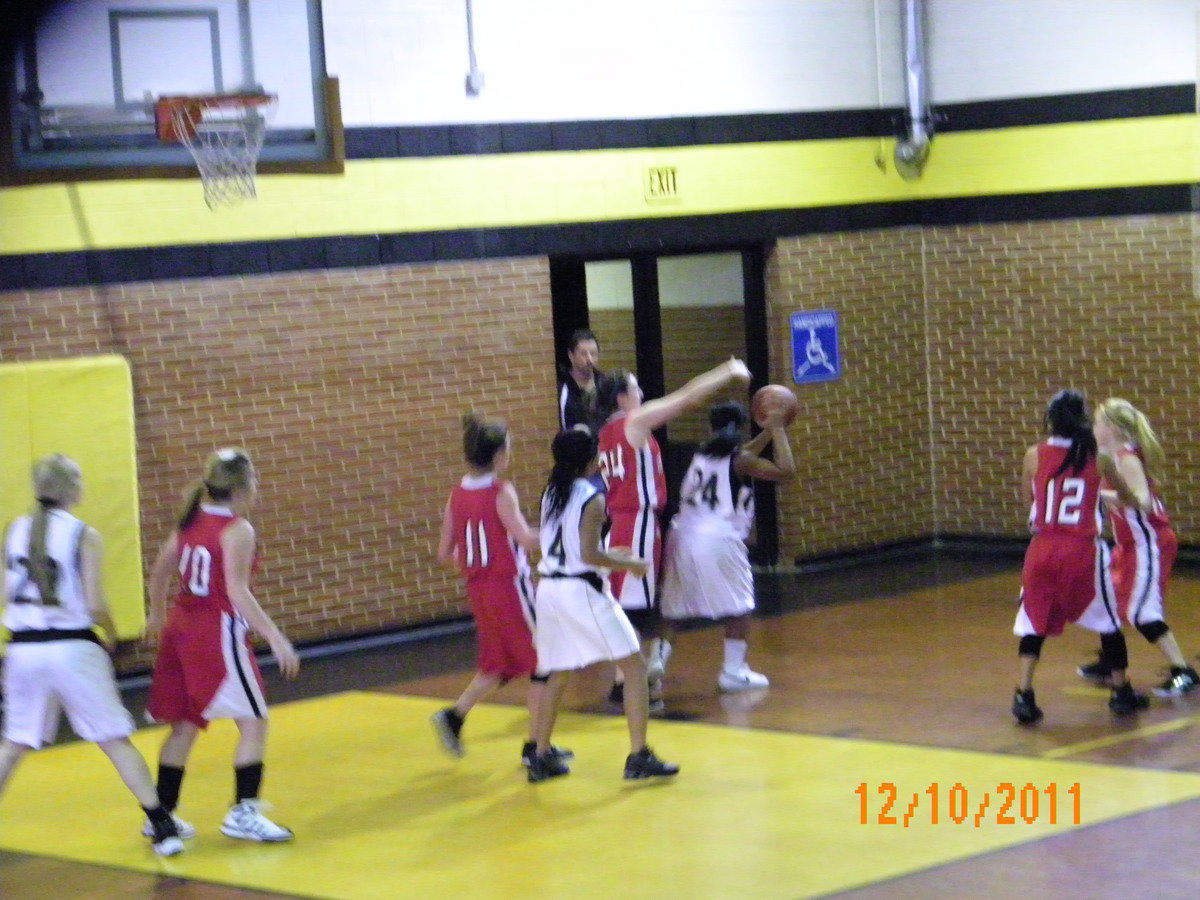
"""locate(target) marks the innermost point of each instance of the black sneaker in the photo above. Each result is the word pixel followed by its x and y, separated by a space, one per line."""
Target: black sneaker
pixel 1126 700
pixel 448 724
pixel 1182 681
pixel 1025 708
pixel 644 764
pixel 529 751
pixel 546 766
pixel 617 694
pixel 1099 672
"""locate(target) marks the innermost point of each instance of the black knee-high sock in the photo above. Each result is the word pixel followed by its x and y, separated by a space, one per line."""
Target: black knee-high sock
pixel 248 780
pixel 170 781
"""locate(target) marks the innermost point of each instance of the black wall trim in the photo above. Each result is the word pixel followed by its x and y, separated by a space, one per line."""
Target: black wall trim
pixel 588 240
pixel 528 137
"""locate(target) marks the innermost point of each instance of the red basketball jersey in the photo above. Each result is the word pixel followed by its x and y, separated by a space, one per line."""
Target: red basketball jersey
pixel 634 479
pixel 1128 518
pixel 1066 503
pixel 202 562
pixel 482 544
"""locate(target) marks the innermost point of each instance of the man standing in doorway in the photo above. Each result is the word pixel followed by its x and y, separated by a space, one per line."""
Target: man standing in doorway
pixel 577 390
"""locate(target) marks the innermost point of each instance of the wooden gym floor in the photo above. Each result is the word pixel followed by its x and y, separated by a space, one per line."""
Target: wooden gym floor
pixel 895 673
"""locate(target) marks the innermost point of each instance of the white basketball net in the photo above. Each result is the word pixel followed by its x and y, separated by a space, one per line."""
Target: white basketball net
pixel 225 142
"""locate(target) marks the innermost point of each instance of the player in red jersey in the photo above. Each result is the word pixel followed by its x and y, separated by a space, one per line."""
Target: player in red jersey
pixel 1146 544
pixel 205 667
pixel 632 468
pixel 1066 575
pixel 484 534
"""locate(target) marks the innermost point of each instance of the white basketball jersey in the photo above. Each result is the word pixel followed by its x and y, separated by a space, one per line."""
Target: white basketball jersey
pixel 713 499
pixel 25 608
pixel 560 535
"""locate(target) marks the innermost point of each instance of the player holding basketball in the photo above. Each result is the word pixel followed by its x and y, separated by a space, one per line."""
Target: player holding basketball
pixel 632 468
pixel 485 535
pixel 205 668
pixel 1066 574
pixel 55 658
pixel 1146 544
pixel 706 567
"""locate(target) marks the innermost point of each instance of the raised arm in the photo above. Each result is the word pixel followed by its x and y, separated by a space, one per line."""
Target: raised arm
pixel 237 543
pixel 91 554
pixel 656 413
pixel 751 464
pixel 508 507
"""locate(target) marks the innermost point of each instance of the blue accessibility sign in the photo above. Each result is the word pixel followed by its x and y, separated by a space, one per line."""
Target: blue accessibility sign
pixel 815 347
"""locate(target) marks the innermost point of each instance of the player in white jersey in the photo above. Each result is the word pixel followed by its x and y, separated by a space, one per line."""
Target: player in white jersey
pixel 578 621
pixel 56 661
pixel 706 567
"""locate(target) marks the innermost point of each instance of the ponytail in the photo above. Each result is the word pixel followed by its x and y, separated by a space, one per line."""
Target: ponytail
pixel 56 482
pixel 1066 417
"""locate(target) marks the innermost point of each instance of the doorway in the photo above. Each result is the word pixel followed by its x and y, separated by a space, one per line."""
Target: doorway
pixel 668 318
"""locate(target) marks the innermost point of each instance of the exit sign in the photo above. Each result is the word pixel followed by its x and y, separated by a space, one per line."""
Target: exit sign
pixel 662 184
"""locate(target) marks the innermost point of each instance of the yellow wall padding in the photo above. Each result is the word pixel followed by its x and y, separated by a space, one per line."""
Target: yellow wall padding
pixel 83 408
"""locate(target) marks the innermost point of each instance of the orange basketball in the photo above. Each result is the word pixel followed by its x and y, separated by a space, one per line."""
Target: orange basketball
pixel 770 398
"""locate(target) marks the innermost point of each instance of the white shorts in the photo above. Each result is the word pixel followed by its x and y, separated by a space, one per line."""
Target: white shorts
pixel 578 625
pixel 705 576
pixel 75 676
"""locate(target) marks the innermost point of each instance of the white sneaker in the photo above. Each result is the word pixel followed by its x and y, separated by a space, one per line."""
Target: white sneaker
pixel 660 655
pixel 246 821
pixel 171 846
pixel 186 829
pixel 741 680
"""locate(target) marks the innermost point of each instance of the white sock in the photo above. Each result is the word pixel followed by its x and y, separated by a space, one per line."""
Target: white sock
pixel 660 649
pixel 735 654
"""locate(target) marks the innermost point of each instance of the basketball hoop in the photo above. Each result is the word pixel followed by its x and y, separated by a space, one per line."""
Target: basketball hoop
pixel 224 133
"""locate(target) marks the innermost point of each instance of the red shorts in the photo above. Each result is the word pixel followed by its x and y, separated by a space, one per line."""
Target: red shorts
pixel 1140 574
pixel 502 608
pixel 1058 581
pixel 205 670
pixel 639 532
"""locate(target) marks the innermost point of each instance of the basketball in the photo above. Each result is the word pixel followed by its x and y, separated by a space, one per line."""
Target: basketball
pixel 772 397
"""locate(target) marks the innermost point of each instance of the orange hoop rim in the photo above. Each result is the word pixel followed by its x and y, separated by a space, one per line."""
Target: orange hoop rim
pixel 173 129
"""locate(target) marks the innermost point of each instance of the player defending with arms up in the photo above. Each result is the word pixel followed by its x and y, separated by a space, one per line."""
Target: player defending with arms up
pixel 632 468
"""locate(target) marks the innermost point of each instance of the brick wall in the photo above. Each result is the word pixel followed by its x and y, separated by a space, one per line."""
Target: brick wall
pixel 861 443
pixel 1020 311
pixel 347 387
pixel 953 340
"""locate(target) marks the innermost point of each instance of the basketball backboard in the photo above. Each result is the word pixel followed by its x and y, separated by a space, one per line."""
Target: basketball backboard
pixel 88 72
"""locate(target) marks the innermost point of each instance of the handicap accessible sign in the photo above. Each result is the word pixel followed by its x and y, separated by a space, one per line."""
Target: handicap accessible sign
pixel 815 347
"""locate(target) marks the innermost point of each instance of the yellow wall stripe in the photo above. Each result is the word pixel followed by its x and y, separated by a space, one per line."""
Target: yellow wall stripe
pixel 442 193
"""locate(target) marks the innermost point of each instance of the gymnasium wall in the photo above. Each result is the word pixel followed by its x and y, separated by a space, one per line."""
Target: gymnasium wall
pixel 954 338
pixel 347 388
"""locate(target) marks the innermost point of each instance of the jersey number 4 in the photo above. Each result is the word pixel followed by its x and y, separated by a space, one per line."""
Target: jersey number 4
pixel 1065 510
